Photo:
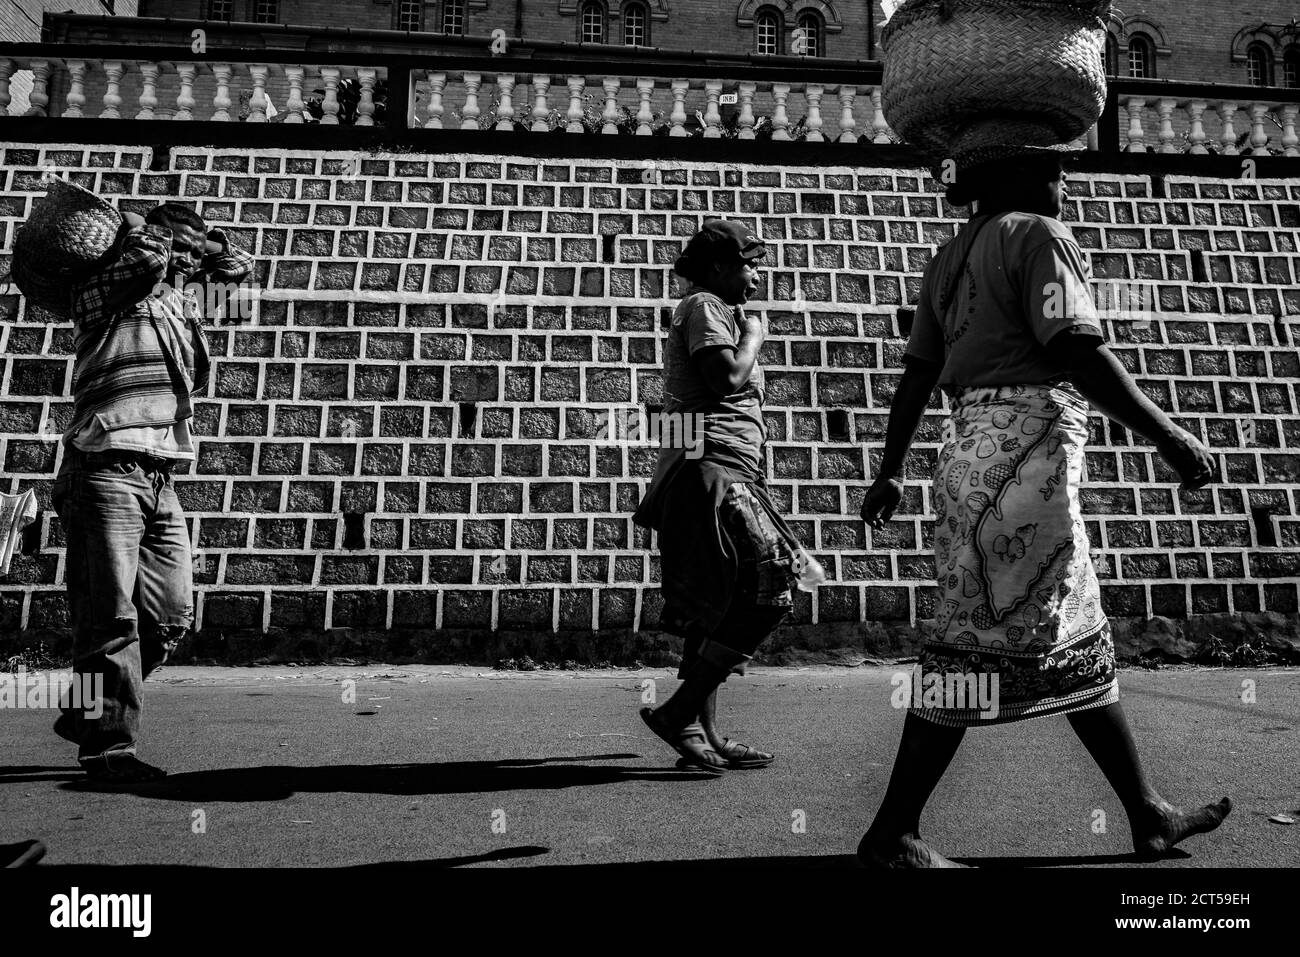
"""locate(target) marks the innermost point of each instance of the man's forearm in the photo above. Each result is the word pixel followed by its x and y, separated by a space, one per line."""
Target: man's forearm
pixel 909 404
pixel 1109 387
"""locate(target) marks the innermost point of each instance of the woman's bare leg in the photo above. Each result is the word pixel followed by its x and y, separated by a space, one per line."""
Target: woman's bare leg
pixel 1156 824
pixel 894 838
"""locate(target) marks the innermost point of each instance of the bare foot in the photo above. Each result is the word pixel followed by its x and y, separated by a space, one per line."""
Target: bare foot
pixel 1163 825
pixel 907 851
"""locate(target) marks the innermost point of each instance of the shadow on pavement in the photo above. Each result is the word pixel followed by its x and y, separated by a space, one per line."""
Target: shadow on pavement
pixel 26 773
pixel 278 782
pixel 1065 860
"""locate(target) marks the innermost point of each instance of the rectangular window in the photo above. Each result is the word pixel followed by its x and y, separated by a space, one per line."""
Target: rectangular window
pixel 266 11
pixel 593 24
pixel 409 14
pixel 1137 62
pixel 634 26
pixel 220 10
pixel 453 17
pixel 767 36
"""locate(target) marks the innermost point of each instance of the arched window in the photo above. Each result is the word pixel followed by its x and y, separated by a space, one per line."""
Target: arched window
pixel 636 25
pixel 1141 61
pixel 266 11
pixel 453 17
pixel 808 37
pixel 220 10
pixel 1291 68
pixel 1110 58
pixel 1259 65
pixel 410 15
pixel 591 24
pixel 767 32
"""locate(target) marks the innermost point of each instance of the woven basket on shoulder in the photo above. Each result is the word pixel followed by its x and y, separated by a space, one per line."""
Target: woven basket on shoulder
pixel 66 236
pixel 951 66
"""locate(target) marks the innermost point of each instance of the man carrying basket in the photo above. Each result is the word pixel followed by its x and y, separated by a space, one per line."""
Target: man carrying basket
pixel 140 356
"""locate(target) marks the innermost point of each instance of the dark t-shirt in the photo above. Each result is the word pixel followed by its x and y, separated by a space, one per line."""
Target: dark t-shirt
pixel 1025 280
pixel 733 424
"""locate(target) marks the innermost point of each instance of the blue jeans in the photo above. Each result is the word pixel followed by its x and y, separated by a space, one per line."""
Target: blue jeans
pixel 130 583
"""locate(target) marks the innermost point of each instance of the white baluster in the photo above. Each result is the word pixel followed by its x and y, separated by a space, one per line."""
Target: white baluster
pixel 712 116
pixel 506 106
pixel 437 83
pixel 678 116
pixel 780 121
pixel 7 68
pixel 645 88
pixel 576 85
pixel 1196 133
pixel 1258 133
pixel 113 70
pixel 541 106
pixel 1137 136
pixel 746 119
pixel 39 97
pixel 366 99
pixel 1165 110
pixel 470 112
pixel 1227 135
pixel 813 94
pixel 610 116
pixel 879 125
pixel 330 104
pixel 76 98
pixel 148 91
pixel 1290 141
pixel 258 100
pixel 221 99
pixel 185 98
pixel 293 103
pixel 848 122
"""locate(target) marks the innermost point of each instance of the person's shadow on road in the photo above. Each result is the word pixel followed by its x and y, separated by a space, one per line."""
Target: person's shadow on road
pixel 278 782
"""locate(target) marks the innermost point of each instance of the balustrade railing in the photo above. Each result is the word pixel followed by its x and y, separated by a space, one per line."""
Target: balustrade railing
pixel 779 99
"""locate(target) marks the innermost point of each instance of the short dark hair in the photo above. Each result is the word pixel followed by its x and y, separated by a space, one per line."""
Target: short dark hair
pixel 1013 176
pixel 174 214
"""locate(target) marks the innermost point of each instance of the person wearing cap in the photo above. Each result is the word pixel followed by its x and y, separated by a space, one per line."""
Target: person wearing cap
pixel 727 557
pixel 1006 325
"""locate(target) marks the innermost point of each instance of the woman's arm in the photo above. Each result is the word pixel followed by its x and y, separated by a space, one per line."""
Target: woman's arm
pixel 726 369
pixel 1097 374
pixel 909 404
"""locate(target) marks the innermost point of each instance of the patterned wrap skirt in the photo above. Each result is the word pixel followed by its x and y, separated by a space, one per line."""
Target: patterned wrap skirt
pixel 1019 616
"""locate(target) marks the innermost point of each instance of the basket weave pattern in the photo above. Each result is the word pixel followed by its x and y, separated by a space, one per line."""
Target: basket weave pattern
pixel 953 68
pixel 66 236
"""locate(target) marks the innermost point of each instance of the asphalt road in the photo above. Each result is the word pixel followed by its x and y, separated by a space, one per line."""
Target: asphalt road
pixel 271 767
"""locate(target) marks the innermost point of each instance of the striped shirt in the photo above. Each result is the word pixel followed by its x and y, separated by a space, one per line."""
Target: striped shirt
pixel 141 355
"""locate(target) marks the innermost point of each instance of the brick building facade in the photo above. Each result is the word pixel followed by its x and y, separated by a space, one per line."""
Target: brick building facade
pixel 1212 41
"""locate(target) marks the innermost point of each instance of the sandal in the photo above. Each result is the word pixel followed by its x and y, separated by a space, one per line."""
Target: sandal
pixel 741 757
pixel 694 757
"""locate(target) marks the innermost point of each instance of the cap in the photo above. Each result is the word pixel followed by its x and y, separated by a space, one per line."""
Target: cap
pixel 722 240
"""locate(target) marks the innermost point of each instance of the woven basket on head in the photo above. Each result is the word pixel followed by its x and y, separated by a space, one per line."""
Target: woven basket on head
pixel 65 238
pixel 953 65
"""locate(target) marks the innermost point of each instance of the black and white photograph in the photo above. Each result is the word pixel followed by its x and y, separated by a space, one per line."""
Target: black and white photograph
pixel 679 463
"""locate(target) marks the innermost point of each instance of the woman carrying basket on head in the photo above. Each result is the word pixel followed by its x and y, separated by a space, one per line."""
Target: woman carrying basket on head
pixel 1019 601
